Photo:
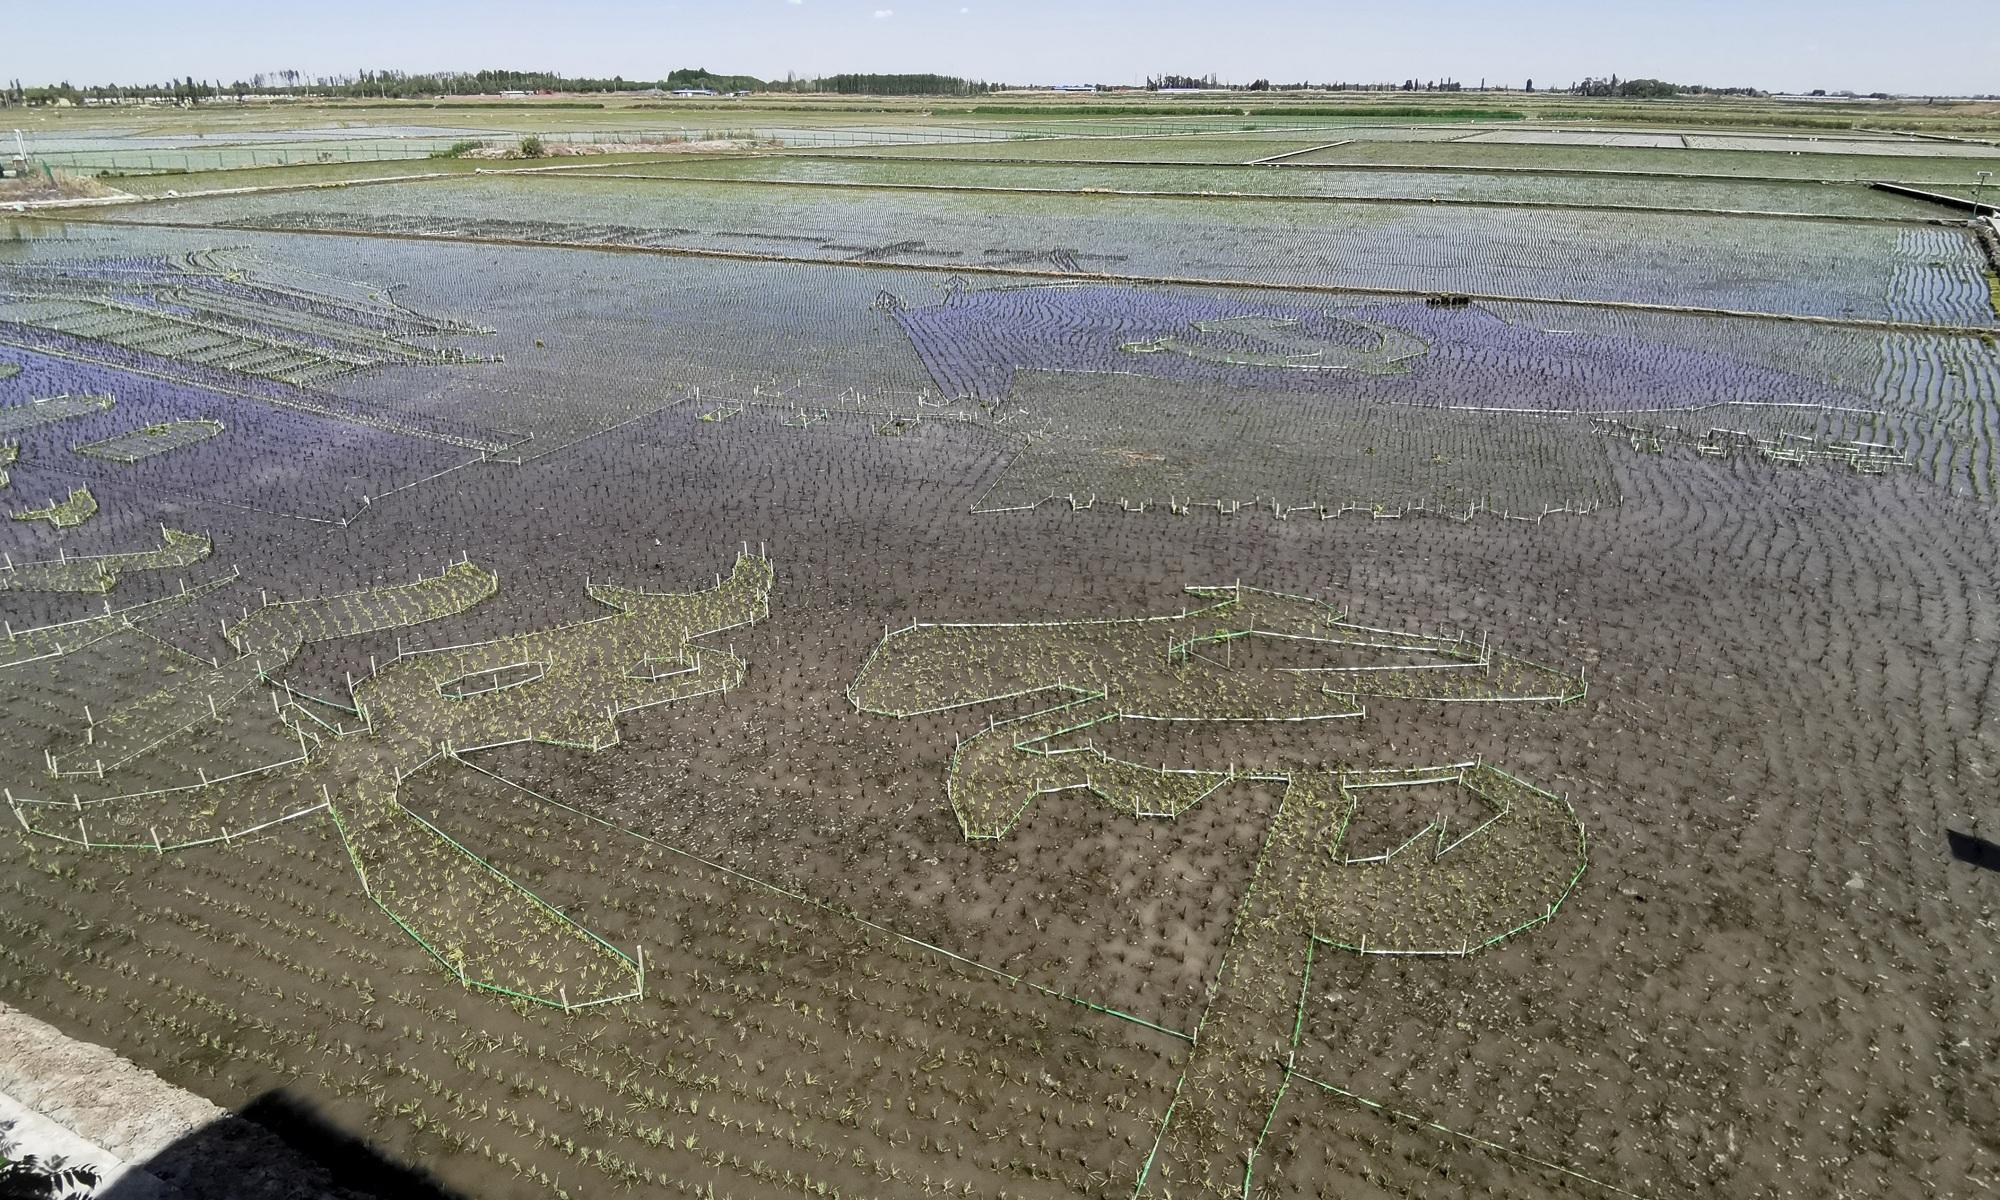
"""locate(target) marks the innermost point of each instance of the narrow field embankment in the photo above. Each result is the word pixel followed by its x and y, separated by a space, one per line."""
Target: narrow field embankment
pixel 90 1105
pixel 85 202
pixel 1248 197
pixel 1976 208
pixel 1987 233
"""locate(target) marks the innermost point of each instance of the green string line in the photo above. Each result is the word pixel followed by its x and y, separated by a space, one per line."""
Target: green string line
pixel 1299 1024
pixel 456 968
pixel 1250 1159
pixel 1221 970
pixel 348 843
pixel 503 877
pixel 832 909
pixel 1159 1138
pixel 1482 1143
pixel 316 719
pixel 297 694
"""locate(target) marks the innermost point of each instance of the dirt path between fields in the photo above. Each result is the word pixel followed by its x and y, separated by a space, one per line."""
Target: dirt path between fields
pixel 90 1105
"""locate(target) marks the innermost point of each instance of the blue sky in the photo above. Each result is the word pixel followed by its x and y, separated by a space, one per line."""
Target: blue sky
pixel 1920 46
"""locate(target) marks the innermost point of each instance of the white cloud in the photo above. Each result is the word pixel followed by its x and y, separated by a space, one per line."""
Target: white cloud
pixel 883 14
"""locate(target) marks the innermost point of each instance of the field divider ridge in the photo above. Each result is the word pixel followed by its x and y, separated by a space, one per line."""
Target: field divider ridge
pixel 1280 197
pixel 1392 167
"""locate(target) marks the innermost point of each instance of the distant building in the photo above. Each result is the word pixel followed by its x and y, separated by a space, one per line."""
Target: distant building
pixel 689 92
pixel 1074 87
pixel 513 93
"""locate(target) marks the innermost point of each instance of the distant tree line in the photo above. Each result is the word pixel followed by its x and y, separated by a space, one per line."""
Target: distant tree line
pixel 404 85
pixel 1653 89
pixel 384 84
pixel 1644 89
pixel 701 77
pixel 887 85
pixel 1155 83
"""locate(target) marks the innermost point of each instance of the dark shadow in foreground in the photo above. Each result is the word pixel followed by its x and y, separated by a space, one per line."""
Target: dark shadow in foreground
pixel 1975 850
pixel 277 1147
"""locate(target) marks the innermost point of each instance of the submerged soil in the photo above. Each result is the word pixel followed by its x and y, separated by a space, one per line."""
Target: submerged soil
pixel 1772 981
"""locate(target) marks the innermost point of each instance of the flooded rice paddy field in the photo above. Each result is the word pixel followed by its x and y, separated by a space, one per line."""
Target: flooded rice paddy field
pixel 1934 274
pixel 554 725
